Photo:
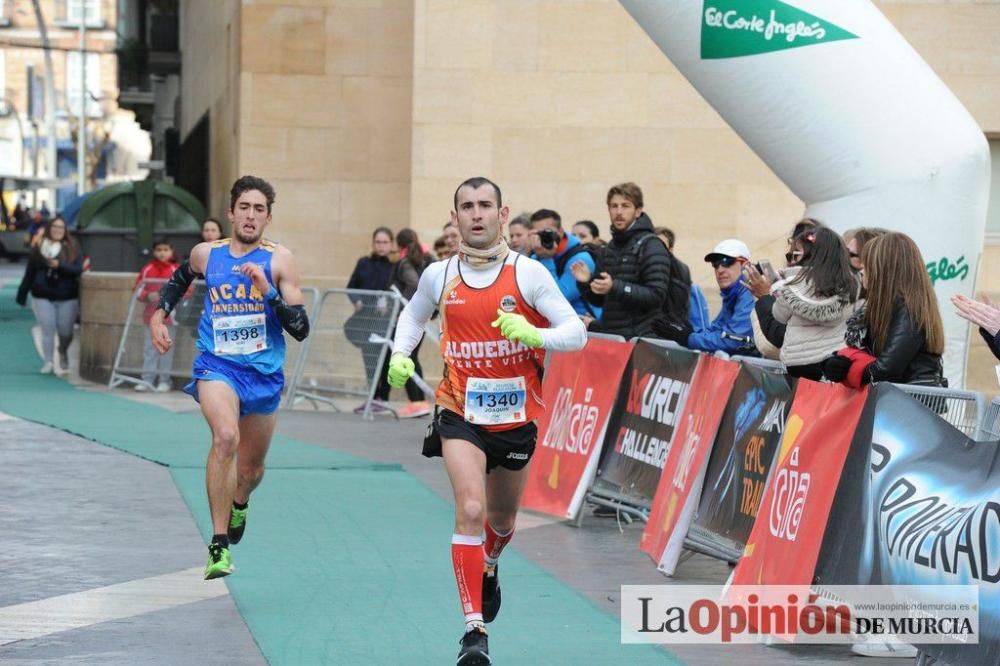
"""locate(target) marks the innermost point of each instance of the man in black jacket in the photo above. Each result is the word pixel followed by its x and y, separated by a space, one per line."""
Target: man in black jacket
pixel 635 269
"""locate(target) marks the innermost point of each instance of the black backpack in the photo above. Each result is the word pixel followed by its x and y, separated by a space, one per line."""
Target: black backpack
pixel 591 249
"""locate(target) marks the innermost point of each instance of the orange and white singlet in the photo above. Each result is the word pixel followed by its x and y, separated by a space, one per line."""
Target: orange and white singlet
pixel 491 381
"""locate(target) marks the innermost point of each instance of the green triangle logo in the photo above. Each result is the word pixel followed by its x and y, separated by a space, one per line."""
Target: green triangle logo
pixel 736 28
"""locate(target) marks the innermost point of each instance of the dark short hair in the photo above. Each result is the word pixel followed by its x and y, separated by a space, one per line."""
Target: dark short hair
pixel 162 241
pixel 475 183
pixel 545 214
pixel 665 231
pixel 630 191
pixel 594 231
pixel 524 219
pixel 248 183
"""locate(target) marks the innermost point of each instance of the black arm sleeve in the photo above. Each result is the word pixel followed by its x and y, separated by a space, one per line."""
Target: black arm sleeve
pixel 176 286
pixel 992 341
pixel 293 318
pixel 773 330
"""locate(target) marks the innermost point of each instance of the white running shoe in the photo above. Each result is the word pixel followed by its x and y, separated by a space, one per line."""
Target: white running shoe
pixel 47 368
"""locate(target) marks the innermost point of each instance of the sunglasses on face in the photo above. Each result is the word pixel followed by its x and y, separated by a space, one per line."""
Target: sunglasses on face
pixel 853 255
pixel 791 257
pixel 725 262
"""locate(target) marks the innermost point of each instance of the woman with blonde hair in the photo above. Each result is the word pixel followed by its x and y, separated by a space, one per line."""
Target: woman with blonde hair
pixel 900 338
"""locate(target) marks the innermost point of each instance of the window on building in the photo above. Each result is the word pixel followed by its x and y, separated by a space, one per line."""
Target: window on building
pixel 74 11
pixel 4 20
pixel 993 209
pixel 3 71
pixel 73 83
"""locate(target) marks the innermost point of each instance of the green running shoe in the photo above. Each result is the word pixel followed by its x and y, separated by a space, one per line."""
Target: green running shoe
pixel 237 523
pixel 219 562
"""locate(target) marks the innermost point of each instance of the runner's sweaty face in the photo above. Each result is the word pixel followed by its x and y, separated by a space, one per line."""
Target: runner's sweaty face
pixel 249 217
pixel 480 221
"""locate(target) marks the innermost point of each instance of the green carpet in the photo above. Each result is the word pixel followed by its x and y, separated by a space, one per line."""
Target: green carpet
pixel 344 561
pixel 354 567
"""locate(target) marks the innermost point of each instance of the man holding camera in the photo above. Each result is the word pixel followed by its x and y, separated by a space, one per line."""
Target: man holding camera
pixel 558 252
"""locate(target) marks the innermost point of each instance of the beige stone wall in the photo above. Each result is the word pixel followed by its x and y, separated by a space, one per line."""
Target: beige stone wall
pixel 210 62
pixel 327 120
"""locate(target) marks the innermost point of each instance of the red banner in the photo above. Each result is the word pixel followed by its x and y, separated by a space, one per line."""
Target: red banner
pixel 679 488
pixel 786 537
pixel 579 390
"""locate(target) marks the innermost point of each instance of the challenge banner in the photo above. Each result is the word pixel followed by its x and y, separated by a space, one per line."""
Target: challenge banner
pixel 785 540
pixel 744 450
pixel 919 504
pixel 580 389
pixel 684 471
pixel 646 414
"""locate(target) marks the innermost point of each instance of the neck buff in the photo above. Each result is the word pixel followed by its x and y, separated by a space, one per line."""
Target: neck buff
pixel 483 258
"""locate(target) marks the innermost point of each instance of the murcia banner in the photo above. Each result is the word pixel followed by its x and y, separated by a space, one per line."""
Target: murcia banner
pixel 580 389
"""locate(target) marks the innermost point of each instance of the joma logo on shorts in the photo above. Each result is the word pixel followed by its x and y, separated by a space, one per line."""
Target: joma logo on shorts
pixel 517 456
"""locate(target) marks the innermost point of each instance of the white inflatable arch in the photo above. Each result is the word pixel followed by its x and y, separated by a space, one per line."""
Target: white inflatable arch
pixel 849 117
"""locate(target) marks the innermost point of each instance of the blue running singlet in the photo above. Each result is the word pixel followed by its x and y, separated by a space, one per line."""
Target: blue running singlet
pixel 237 324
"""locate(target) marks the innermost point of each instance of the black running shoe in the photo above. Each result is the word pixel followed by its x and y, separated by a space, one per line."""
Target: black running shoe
pixel 475 649
pixel 237 523
pixel 491 594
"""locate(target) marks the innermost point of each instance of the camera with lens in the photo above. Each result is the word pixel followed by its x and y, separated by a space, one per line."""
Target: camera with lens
pixel 548 238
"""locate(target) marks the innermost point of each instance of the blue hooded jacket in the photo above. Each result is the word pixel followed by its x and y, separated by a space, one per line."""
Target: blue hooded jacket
pixel 734 319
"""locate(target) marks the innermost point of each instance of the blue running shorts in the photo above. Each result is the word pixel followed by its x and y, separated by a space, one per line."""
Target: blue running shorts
pixel 258 394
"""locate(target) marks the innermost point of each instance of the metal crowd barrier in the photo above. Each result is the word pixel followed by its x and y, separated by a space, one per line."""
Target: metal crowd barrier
pixel 962 409
pixel 347 348
pixel 134 346
pixel 989 428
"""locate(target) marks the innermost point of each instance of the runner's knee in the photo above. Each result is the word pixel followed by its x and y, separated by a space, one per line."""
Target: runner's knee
pixel 502 521
pixel 471 512
pixel 251 474
pixel 225 440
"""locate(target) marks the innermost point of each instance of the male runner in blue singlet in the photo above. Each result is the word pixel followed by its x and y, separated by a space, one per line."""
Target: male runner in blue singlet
pixel 251 294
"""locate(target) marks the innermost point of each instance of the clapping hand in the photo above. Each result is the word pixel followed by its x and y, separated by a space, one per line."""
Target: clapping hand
pixel 580 271
pixel 982 312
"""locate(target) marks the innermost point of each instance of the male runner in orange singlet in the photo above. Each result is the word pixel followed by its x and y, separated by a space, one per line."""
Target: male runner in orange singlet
pixel 499 312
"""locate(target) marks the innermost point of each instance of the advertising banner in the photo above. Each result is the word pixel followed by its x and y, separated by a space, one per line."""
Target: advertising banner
pixel 919 504
pixel 680 483
pixel 785 540
pixel 744 450
pixel 645 417
pixel 580 389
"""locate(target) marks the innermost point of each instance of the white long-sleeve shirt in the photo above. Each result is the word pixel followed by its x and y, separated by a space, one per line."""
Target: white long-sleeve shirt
pixel 566 331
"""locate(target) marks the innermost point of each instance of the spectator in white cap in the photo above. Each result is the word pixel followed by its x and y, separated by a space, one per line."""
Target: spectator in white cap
pixel 730 331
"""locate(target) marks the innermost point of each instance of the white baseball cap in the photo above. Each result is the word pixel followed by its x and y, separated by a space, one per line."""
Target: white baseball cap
pixel 729 248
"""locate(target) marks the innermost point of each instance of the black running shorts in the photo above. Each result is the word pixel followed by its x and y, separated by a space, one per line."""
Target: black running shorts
pixel 510 449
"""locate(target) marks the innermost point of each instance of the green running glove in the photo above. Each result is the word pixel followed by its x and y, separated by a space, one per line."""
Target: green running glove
pixel 516 328
pixel 400 370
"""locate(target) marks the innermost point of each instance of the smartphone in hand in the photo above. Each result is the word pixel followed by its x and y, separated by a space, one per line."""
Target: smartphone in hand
pixel 768 270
